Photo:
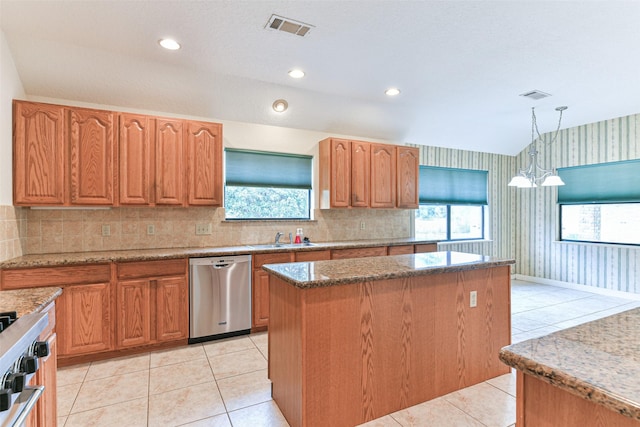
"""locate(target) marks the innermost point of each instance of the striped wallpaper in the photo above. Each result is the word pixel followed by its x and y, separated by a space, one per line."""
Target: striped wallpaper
pixel 500 240
pixel 537 251
pixel 523 223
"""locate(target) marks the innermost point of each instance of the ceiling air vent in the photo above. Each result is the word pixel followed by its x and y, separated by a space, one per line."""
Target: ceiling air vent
pixel 535 94
pixel 280 23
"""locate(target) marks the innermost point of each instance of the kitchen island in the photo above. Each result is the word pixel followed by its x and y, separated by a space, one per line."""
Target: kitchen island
pixel 355 339
pixel 582 376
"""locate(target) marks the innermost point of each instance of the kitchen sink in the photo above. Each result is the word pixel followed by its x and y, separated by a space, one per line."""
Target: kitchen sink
pixel 281 245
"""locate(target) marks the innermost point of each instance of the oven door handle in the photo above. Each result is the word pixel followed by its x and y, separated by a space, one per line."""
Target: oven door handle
pixel 36 392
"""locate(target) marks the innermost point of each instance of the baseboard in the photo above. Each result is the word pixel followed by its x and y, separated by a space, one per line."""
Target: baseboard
pixel 577 287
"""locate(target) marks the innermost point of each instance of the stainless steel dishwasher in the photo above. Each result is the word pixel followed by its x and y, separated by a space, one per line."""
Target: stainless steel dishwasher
pixel 219 297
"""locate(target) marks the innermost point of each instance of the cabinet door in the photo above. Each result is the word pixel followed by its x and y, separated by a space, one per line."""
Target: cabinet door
pixel 46 407
pixel 172 309
pixel 312 256
pixel 260 299
pixel 169 169
pixel 134 313
pixel 383 176
pixel 38 154
pixel 426 247
pixel 400 250
pixel 84 319
pixel 340 180
pixel 136 137
pixel 408 177
pixel 91 161
pixel 204 147
pixel 358 252
pixel 360 173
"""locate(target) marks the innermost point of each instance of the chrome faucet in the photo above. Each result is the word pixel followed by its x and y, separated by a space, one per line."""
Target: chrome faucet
pixel 278 236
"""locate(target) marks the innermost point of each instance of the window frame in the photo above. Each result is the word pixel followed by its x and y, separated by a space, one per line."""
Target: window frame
pixel 448 221
pixel 595 242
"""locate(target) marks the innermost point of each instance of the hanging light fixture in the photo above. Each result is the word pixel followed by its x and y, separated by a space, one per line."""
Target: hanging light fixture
pixel 534 174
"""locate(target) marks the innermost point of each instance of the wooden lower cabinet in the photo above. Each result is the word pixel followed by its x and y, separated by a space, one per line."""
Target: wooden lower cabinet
pixel 152 308
pixel 260 286
pixel 400 250
pixel 358 252
pixel 425 247
pixel 85 319
pixel 46 375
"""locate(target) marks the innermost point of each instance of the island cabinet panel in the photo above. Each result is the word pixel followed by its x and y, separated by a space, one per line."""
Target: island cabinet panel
pixel 360 174
pixel 204 147
pixel 407 192
pixel 92 156
pixel 136 159
pixel 373 348
pixel 152 302
pixel 170 163
pixel 38 154
pixel 85 317
pixel 542 404
pixel 383 176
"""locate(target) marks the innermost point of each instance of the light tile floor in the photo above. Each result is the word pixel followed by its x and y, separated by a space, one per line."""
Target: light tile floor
pixel 224 383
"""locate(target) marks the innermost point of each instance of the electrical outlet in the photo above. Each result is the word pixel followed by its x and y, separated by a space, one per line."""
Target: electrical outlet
pixel 362 225
pixel 473 298
pixel 106 230
pixel 202 229
pixel 151 229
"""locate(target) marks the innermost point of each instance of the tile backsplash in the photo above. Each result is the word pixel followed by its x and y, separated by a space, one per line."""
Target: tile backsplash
pixel 13 226
pixel 47 231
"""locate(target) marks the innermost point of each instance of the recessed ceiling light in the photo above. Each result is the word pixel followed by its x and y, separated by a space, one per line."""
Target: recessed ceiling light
pixel 280 105
pixel 296 73
pixel 169 44
pixel 392 91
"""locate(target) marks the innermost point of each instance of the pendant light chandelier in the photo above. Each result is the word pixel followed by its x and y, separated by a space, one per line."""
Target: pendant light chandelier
pixel 535 174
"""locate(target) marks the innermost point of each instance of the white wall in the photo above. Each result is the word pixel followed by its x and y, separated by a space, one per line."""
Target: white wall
pixel 10 88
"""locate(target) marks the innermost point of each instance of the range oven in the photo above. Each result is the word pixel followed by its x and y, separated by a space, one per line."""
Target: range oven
pixel 19 353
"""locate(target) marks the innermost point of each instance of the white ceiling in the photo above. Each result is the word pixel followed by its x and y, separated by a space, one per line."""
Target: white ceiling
pixel 460 64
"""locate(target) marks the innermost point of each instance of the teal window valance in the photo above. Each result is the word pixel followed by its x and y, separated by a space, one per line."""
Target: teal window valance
pixel 451 186
pixel 614 182
pixel 245 168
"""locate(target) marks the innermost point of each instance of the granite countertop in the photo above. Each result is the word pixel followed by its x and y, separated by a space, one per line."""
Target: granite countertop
pixel 598 361
pixel 71 258
pixel 345 271
pixel 26 301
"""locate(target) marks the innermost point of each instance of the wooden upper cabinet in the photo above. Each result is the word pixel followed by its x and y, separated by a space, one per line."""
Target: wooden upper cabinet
pixel 38 154
pixel 136 157
pixel 360 174
pixel 91 159
pixel 169 168
pixel 204 148
pixel 383 176
pixel 335 173
pixel 408 177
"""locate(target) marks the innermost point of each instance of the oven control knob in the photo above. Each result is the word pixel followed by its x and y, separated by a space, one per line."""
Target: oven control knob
pixel 5 399
pixel 29 364
pixel 41 348
pixel 15 381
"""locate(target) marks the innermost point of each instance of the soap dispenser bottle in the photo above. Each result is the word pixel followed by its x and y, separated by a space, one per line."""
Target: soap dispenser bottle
pixel 298 235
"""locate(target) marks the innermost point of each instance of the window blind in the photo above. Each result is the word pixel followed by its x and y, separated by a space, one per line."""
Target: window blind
pixel 246 168
pixel 614 182
pixel 452 186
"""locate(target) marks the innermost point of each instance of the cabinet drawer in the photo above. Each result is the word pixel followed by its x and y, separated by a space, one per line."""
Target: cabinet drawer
pixel 55 276
pixel 146 269
pixel 400 250
pixel 427 247
pixel 312 256
pixel 273 258
pixel 358 252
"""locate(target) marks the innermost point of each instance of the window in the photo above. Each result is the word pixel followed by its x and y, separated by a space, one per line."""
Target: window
pixel 452 204
pixel 263 185
pixel 600 203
